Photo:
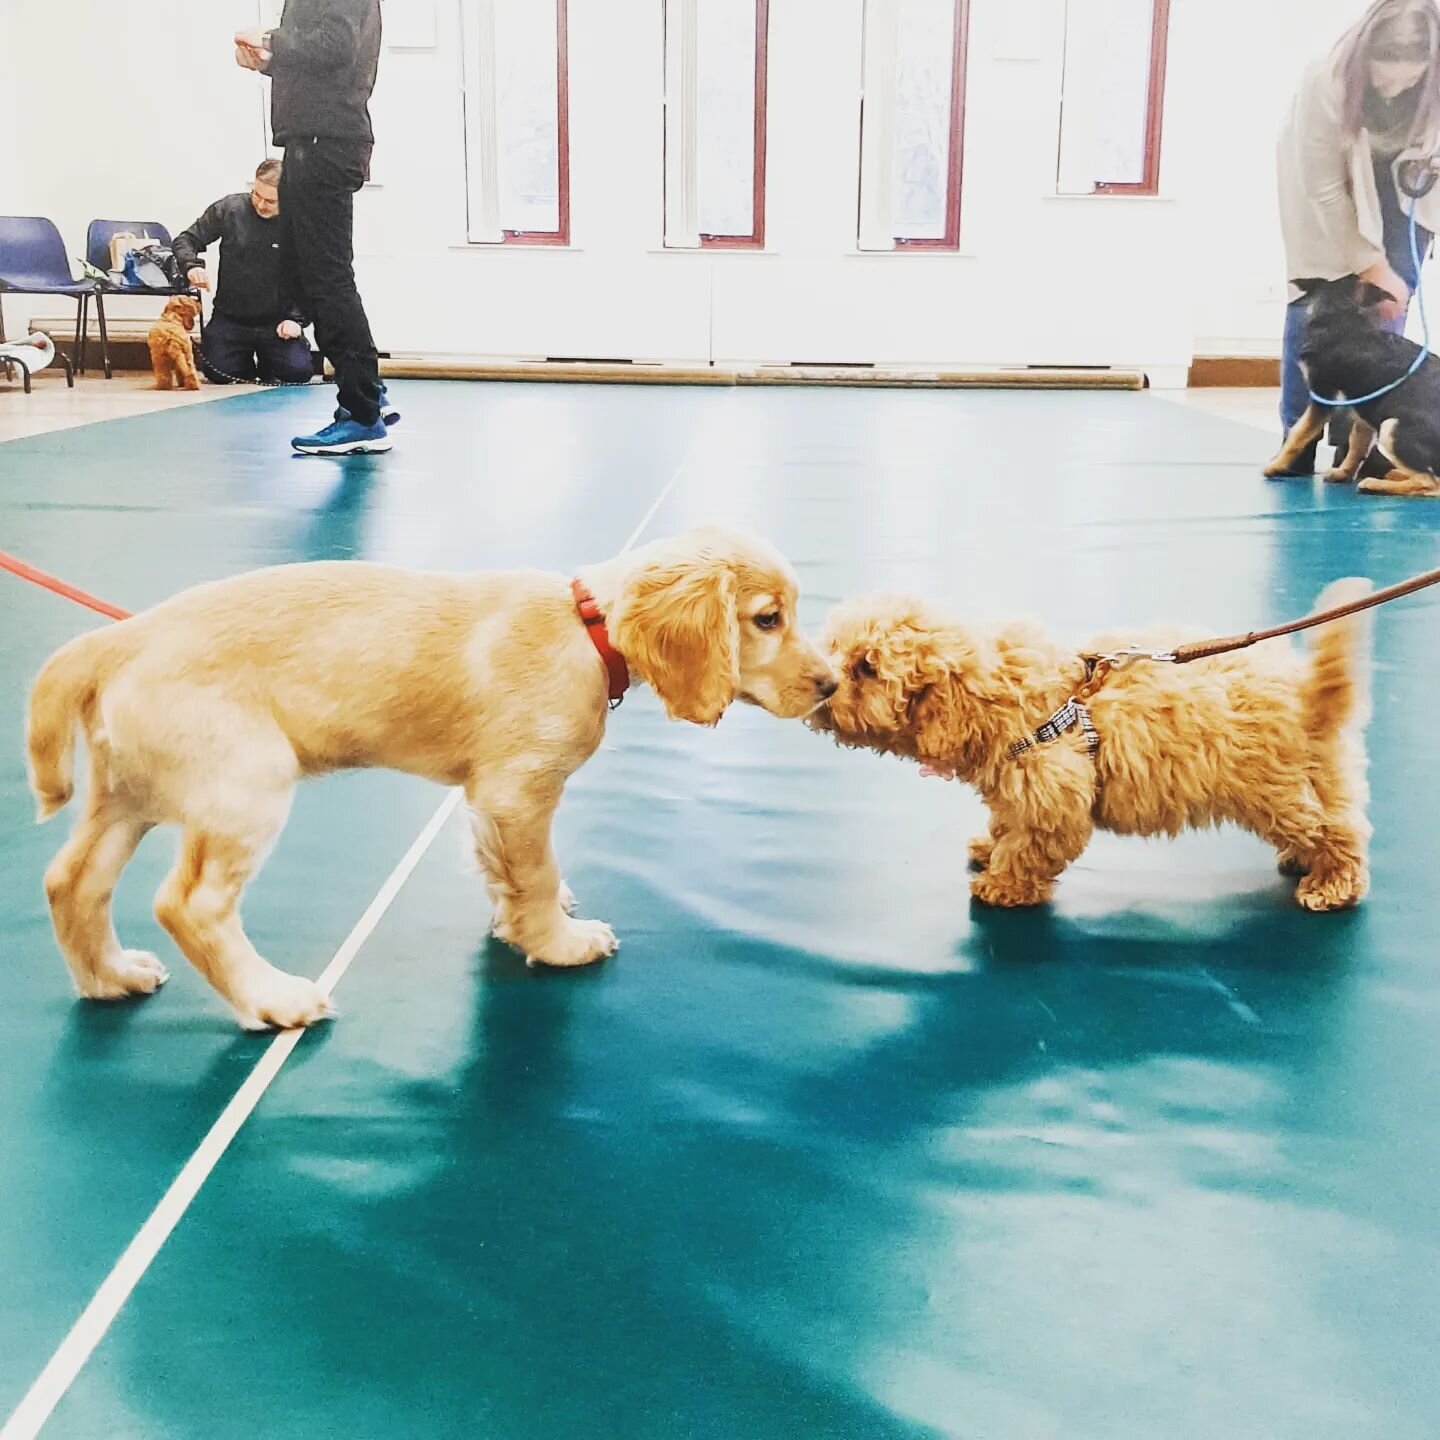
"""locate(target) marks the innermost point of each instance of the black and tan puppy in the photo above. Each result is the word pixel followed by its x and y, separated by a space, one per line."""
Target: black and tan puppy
pixel 1344 353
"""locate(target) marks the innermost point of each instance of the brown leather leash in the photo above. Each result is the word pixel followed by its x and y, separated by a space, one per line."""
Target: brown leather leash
pixel 1100 667
pixel 1203 649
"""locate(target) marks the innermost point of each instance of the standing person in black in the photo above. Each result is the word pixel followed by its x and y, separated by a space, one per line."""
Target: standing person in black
pixel 251 333
pixel 322 61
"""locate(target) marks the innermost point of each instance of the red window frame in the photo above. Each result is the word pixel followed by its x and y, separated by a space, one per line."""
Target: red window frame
pixel 1154 110
pixel 755 240
pixel 955 171
pixel 560 235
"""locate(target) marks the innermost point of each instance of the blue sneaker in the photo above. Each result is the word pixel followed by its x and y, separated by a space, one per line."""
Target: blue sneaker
pixel 388 413
pixel 345 437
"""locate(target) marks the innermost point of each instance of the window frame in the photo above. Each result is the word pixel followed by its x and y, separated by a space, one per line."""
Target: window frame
pixel 955 170
pixel 1149 183
pixel 560 236
pixel 955 161
pixel 673 170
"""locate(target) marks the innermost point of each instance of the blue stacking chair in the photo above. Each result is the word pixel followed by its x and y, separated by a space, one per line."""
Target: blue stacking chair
pixel 33 262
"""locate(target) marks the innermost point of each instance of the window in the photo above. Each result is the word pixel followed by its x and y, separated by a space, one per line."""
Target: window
pixel 715 69
pixel 1114 96
pixel 912 124
pixel 517 122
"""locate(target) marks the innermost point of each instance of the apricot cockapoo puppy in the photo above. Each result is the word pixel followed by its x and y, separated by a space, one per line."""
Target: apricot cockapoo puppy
pixel 1270 738
pixel 172 347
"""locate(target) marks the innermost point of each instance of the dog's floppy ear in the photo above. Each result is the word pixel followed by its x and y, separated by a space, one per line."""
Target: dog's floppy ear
pixel 675 622
pixel 1373 295
pixel 1308 287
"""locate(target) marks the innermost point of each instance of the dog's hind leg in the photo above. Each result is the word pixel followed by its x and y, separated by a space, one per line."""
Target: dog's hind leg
pixel 1303 434
pixel 199 904
pixel 1361 439
pixel 1401 482
pixel 1317 836
pixel 1414 450
pixel 1329 860
pixel 511 818
pixel 79 884
pixel 1338 875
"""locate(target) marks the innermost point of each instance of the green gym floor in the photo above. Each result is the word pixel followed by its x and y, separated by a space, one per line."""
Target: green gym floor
pixel 822 1152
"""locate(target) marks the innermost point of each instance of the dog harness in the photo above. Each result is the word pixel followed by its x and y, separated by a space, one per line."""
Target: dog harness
pixel 1074 714
pixel 617 671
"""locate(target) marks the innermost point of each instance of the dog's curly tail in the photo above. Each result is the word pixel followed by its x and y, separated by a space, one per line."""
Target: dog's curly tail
pixel 63 695
pixel 1336 694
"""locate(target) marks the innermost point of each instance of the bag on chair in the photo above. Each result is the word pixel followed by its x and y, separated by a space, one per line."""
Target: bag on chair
pixel 120 245
pixel 150 264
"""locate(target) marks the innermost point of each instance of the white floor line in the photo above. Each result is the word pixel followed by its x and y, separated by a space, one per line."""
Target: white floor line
pixel 666 490
pixel 97 1317
pixel 76 1348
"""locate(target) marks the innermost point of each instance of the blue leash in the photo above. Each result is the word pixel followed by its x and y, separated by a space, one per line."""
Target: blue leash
pixel 1424 320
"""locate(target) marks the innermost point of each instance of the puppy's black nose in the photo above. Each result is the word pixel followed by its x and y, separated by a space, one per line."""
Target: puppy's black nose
pixel 828 686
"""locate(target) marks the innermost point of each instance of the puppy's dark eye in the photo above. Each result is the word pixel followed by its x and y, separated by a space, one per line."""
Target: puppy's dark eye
pixel 770 620
pixel 862 669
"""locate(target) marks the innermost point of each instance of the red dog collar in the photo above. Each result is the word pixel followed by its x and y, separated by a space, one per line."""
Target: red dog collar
pixel 615 666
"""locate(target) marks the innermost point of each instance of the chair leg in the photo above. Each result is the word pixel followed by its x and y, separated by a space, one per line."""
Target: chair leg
pixel 2 322
pixel 104 338
pixel 64 359
pixel 82 330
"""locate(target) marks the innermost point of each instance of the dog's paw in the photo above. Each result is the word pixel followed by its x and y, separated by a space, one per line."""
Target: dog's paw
pixel 132 972
pixel 284 1002
pixel 980 849
pixel 1007 893
pixel 1332 890
pixel 1277 469
pixel 577 942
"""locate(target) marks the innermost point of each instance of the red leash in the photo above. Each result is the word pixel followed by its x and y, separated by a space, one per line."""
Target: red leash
pixel 617 672
pixel 59 587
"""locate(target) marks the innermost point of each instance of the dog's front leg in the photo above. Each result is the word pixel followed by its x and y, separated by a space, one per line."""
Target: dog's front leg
pixel 982 847
pixel 1361 439
pixel 511 818
pixel 1038 826
pixel 1303 433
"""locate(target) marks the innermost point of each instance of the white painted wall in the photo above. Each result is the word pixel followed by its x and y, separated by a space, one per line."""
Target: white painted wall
pixel 137 118
pixel 1040 280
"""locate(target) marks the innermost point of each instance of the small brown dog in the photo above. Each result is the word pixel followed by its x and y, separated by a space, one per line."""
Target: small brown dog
pixel 206 710
pixel 1267 739
pixel 172 348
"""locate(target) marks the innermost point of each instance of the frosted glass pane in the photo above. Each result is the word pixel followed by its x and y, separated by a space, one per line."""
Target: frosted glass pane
pixel 527 103
pixel 924 73
pixel 1107 93
pixel 725 117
